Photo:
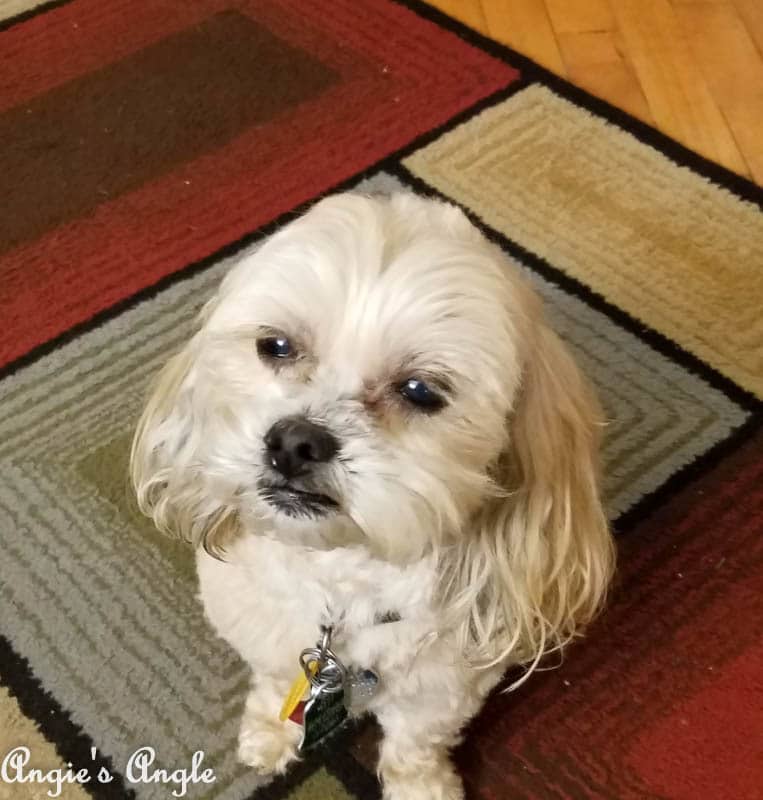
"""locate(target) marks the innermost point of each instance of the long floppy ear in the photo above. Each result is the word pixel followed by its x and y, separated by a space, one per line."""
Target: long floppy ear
pixel 543 555
pixel 164 468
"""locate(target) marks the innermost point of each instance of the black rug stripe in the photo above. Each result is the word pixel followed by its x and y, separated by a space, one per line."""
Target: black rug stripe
pixel 55 723
pixel 688 474
pixel 17 19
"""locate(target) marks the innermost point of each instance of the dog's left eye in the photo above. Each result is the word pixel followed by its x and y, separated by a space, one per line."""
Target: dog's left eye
pixel 421 395
pixel 274 347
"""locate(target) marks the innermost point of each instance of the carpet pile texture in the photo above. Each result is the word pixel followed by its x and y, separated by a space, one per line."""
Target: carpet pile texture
pixel 145 146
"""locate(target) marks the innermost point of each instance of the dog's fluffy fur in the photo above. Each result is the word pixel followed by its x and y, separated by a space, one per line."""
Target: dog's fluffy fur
pixel 478 523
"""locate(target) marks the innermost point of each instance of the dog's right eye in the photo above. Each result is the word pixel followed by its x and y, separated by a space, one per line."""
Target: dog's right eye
pixel 274 347
pixel 421 395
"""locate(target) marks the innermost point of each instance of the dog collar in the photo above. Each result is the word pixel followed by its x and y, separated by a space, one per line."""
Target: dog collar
pixel 386 617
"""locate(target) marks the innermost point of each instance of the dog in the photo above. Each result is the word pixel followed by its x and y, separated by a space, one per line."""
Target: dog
pixel 375 436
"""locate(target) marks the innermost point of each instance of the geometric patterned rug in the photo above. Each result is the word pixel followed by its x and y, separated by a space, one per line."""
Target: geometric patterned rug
pixel 146 146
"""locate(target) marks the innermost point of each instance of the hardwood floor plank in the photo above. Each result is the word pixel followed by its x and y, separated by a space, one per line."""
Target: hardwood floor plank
pixel 525 26
pixel 692 68
pixel 580 16
pixel 730 62
pixel 751 12
pixel 679 98
pixel 595 64
pixel 467 11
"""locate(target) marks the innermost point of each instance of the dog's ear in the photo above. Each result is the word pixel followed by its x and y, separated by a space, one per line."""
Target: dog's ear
pixel 168 483
pixel 544 543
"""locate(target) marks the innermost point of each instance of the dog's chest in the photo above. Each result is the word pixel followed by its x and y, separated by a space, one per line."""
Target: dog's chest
pixel 270 601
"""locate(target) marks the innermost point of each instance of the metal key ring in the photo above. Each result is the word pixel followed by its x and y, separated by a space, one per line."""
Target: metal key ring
pixel 331 673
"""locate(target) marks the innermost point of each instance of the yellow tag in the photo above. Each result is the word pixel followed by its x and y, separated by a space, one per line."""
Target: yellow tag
pixel 297 692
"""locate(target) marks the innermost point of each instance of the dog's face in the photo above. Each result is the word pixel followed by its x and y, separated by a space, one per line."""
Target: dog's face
pixel 378 374
pixel 358 370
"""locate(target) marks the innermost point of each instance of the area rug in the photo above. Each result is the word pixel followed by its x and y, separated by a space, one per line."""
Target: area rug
pixel 146 144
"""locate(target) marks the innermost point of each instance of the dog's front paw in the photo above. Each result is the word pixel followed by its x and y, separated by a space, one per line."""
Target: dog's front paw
pixel 436 782
pixel 268 747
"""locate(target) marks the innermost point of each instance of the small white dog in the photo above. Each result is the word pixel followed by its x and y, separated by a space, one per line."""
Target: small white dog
pixel 375 432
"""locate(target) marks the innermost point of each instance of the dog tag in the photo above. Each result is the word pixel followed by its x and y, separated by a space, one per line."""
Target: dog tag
pixel 325 712
pixel 325 709
pixel 362 686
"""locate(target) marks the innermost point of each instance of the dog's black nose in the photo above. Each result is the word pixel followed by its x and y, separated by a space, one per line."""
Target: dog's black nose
pixel 294 445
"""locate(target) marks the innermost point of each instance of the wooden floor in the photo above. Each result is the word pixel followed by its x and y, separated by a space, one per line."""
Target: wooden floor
pixel 691 68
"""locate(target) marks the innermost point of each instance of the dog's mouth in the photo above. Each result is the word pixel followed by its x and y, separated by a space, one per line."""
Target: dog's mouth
pixel 298 502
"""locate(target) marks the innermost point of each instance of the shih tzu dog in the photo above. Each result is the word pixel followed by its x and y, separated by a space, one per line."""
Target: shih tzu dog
pixel 380 451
